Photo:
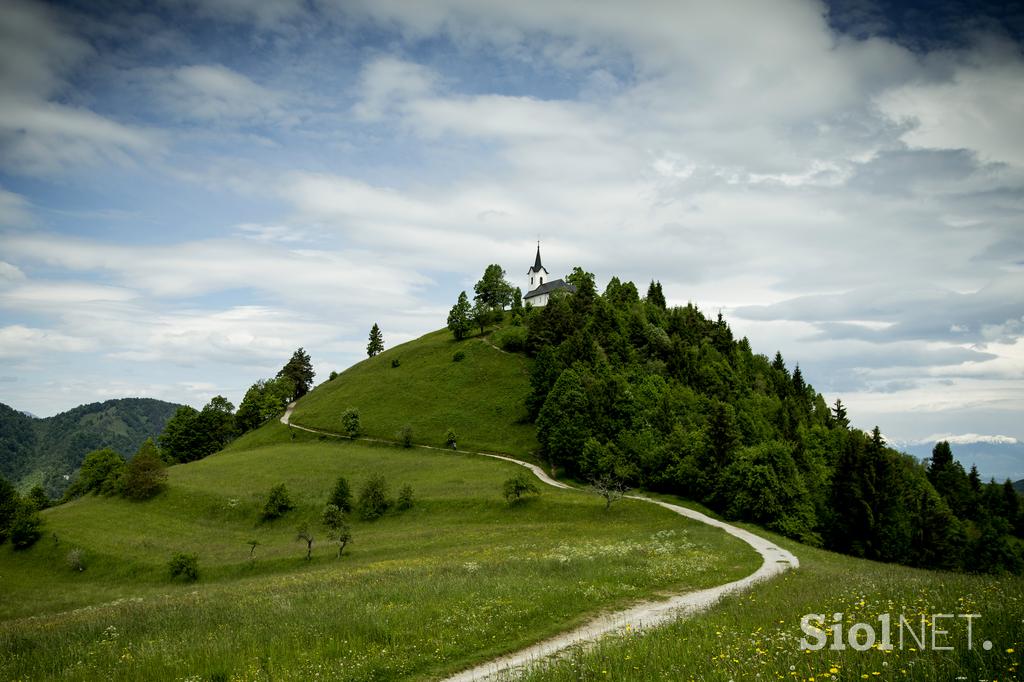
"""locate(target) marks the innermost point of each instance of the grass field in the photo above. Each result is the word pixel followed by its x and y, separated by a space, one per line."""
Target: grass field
pixel 457 579
pixel 757 635
pixel 480 397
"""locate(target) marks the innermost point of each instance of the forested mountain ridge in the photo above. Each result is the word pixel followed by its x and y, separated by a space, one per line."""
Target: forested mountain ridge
pixel 43 451
pixel 666 399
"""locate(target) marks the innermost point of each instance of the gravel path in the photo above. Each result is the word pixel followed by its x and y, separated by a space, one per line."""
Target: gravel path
pixel 775 560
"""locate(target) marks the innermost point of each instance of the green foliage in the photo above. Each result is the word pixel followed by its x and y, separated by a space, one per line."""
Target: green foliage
pixel 350 423
pixel 299 370
pixel 192 434
pixel 376 342
pixel 459 356
pixel 75 560
pixel 511 339
pixel 405 498
pixel 278 503
pixel 493 291
pixel 655 295
pixel 38 499
pixel 144 475
pixel 25 527
pixel 373 499
pixel 395 362
pixel 100 474
pixel 341 495
pixel 337 526
pixel 306 535
pixel 450 439
pixel 9 504
pixel 459 318
pixel 514 489
pixel 333 375
pixel 265 400
pixel 405 436
pixel 184 567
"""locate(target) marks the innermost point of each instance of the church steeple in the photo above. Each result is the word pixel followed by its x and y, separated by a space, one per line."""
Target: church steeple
pixel 538 273
pixel 536 263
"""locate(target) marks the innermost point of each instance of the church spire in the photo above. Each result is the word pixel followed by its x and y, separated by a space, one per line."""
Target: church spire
pixel 536 264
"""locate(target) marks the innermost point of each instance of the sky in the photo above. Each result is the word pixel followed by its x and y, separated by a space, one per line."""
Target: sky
pixel 192 189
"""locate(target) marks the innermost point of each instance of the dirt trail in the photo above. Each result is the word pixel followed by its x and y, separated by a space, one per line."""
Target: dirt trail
pixel 775 560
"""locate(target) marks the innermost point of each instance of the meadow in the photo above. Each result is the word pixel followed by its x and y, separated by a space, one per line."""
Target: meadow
pixel 457 579
pixel 757 635
pixel 480 397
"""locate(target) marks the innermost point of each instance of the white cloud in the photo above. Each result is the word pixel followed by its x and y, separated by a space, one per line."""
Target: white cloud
pixel 215 93
pixel 17 341
pixel 965 439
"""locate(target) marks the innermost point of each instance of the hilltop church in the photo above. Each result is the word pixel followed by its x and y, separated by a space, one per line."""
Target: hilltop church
pixel 541 287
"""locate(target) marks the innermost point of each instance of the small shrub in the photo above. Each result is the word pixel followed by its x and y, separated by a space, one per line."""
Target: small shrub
pixel 459 356
pixel 333 376
pixel 516 487
pixel 373 498
pixel 511 339
pixel 303 533
pixel 450 439
pixel 184 566
pixel 76 560
pixel 395 362
pixel 350 422
pixel 405 436
pixel 337 524
pixel 405 498
pixel 278 503
pixel 341 496
pixel 25 527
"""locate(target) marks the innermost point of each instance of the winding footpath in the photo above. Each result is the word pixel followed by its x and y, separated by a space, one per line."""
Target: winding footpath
pixel 648 614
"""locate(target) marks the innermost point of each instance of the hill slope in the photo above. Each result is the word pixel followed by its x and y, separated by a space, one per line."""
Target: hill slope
pixel 480 397
pixel 42 451
pixel 457 579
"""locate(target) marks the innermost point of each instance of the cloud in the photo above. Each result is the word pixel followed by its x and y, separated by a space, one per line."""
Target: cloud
pixel 17 341
pixel 215 93
pixel 964 439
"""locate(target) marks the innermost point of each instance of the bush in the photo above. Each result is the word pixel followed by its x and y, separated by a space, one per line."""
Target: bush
pixel 25 527
pixel 76 560
pixel 341 496
pixel 511 339
pixel 516 487
pixel 144 476
pixel 405 436
pixel 373 498
pixel 450 439
pixel 278 503
pixel 333 376
pixel 405 498
pixel 184 566
pixel 350 422
pixel 395 362
pixel 459 356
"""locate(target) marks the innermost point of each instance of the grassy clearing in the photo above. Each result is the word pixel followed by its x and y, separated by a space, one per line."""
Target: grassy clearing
pixel 459 578
pixel 480 397
pixel 757 635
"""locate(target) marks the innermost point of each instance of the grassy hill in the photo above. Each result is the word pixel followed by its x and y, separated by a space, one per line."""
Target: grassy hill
pixel 42 451
pixel 455 580
pixel 480 397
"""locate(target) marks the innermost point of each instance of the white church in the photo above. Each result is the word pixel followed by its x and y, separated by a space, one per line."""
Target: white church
pixel 541 286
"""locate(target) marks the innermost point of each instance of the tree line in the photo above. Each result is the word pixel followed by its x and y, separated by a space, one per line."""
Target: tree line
pixel 667 399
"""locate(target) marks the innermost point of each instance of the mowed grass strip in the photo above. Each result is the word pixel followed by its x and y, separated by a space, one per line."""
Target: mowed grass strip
pixel 480 397
pixel 458 579
pixel 756 635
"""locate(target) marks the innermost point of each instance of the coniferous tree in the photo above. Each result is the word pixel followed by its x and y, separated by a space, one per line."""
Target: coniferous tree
pixel 376 343
pixel 655 295
pixel 299 369
pixel 459 317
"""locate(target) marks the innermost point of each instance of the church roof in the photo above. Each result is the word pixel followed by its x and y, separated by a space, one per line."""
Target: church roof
pixel 548 287
pixel 537 267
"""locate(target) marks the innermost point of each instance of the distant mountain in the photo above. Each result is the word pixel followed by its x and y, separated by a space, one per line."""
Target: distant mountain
pixel 994 460
pixel 49 451
pixel 1019 486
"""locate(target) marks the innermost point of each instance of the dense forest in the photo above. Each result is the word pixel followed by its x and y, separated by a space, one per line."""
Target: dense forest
pixel 666 399
pixel 37 451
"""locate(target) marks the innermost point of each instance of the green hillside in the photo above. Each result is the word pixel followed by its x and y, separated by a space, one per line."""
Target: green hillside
pixel 42 451
pixel 458 578
pixel 480 397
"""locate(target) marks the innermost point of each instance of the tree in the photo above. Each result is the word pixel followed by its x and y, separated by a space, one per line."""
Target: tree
pixel 655 295
pixel 264 400
pixel 376 344
pixel 481 315
pixel 564 422
pixel 609 488
pixel 278 503
pixel 492 291
pixel 37 498
pixel 337 525
pixel 303 533
pixel 25 527
pixel 373 498
pixel 300 370
pixel 341 496
pixel 100 473
pixel 144 475
pixel 450 439
pixel 8 507
pixel 458 318
pixel 515 488
pixel 350 422
pixel 405 436
pixel 839 415
pixel 184 566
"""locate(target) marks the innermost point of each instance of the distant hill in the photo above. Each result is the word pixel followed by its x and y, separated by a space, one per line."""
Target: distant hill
pixel 1019 486
pixel 994 460
pixel 44 451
